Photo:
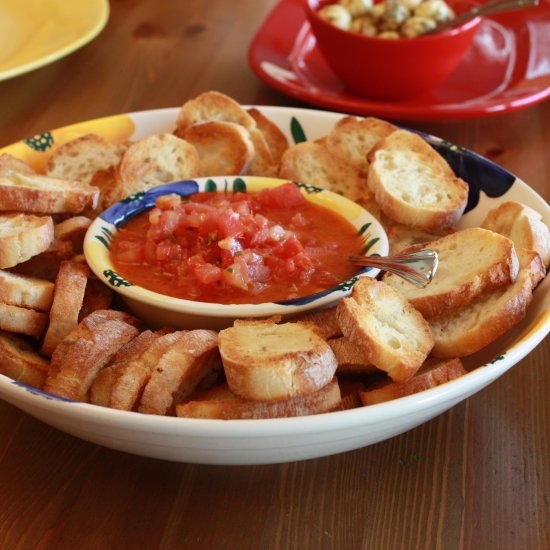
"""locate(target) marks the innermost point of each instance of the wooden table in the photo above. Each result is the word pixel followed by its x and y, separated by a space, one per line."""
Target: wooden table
pixel 475 477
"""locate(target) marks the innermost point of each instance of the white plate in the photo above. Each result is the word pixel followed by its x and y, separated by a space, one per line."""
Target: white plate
pixel 287 439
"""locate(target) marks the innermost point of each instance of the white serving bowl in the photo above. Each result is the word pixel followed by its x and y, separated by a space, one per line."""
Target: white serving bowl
pixel 159 310
pixel 289 439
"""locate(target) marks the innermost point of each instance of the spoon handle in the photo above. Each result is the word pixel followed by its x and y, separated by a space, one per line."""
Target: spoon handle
pixel 493 6
pixel 418 267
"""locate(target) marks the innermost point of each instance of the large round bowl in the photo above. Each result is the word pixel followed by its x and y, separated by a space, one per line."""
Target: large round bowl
pixel 159 310
pixel 289 439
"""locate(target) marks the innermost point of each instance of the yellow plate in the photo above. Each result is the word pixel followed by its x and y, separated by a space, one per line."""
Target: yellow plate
pixel 34 33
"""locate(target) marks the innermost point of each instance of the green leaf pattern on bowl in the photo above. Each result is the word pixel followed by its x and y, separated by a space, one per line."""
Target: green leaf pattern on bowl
pixel 40 142
pixel 114 279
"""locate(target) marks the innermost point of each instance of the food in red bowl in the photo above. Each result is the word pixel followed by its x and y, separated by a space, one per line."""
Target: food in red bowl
pixel 375 60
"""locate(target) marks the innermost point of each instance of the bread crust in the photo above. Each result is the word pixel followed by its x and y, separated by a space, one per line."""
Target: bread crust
pixel 274 137
pixel 180 370
pixel 474 326
pixel 224 148
pixel 433 372
pixel 21 362
pixel 270 362
pixel 70 286
pixel 413 184
pixel 471 262
pixel 152 161
pixel 391 333
pixel 23 291
pixel 10 165
pixel 351 358
pixel 23 236
pixel 34 193
pixel 228 406
pixel 85 351
pixel 22 320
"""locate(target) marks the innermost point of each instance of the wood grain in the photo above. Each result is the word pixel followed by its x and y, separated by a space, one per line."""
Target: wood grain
pixel 477 477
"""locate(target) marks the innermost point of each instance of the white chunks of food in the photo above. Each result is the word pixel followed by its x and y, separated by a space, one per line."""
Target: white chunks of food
pixel 389 19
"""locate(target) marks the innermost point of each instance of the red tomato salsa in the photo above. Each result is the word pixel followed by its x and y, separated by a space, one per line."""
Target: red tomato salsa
pixel 236 247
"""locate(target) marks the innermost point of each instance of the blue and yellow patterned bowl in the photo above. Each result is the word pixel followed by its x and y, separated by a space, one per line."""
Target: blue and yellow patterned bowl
pixel 161 310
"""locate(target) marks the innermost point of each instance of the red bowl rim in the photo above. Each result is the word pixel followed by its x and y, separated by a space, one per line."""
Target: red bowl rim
pixel 312 12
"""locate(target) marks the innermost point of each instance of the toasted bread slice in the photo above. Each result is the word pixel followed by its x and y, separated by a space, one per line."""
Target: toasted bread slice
pixel 350 389
pixel 325 319
pixel 85 351
pixel 100 390
pixel 80 158
pixel 521 224
pixel 471 262
pixel 132 378
pixel 274 137
pixel 22 320
pixel 70 286
pixel 222 404
pixel 96 296
pixel 352 139
pixel 34 193
pixel 313 164
pixel 413 184
pixel 23 236
pixel 73 230
pixel 474 326
pixel 22 291
pixel 433 372
pixel 401 237
pixel 212 105
pixel 10 165
pixel 392 335
pixel 351 358
pixel 190 360
pixel 224 148
pixel 262 161
pixel 269 361
pixel 152 161
pixel 21 362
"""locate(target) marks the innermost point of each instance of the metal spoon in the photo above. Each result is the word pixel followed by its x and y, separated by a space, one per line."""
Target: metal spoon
pixel 493 6
pixel 417 267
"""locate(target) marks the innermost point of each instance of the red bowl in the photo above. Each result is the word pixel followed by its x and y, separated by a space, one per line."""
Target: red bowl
pixel 390 68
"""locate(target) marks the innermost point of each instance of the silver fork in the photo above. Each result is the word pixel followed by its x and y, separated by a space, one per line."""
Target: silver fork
pixel 418 268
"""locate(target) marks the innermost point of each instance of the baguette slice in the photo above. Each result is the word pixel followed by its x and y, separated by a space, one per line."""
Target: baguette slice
pixel 224 148
pixel 522 225
pixel 212 105
pixel 474 326
pixel 262 163
pixel 100 390
pixel 21 362
pixel 155 160
pixel 274 137
pixel 22 320
pixel 313 164
pixel 352 139
pixel 380 322
pixel 221 403
pixel 70 286
pixel 189 361
pixel 22 291
pixel 351 358
pixel 132 378
pixel 268 361
pixel 23 236
pixel 401 237
pixel 413 184
pixel 10 165
pixel 33 193
pixel 73 230
pixel 85 351
pixel 433 373
pixel 471 262
pixel 80 158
